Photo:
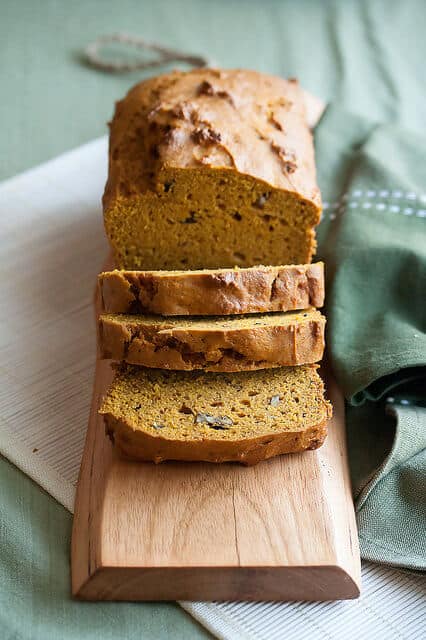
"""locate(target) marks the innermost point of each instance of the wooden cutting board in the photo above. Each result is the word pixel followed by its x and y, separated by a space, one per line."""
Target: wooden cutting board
pixel 282 530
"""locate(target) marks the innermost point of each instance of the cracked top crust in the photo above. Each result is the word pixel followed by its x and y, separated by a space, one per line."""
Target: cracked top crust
pixel 244 120
pixel 213 292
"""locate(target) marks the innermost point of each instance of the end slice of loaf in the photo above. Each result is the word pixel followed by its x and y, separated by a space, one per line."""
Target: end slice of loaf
pixel 230 343
pixel 158 415
pixel 214 292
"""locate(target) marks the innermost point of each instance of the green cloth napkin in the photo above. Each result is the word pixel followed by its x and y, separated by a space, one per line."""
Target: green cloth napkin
pixel 373 239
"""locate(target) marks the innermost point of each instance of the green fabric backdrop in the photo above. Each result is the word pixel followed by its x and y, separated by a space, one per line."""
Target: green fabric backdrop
pixel 366 55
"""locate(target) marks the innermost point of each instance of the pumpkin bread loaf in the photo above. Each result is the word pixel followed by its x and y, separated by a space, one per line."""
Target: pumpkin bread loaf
pixel 211 169
pixel 231 343
pixel 213 292
pixel 158 415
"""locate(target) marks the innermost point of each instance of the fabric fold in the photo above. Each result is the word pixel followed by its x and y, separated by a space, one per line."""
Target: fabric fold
pixel 373 241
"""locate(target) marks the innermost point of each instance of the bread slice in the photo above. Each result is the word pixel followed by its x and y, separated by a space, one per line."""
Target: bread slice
pixel 213 292
pixel 211 168
pixel 230 343
pixel 158 415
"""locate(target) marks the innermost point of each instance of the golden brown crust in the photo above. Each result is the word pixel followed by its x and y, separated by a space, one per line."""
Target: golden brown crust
pixel 231 344
pixel 216 292
pixel 137 445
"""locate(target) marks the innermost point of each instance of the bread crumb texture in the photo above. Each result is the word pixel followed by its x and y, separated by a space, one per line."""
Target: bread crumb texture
pixel 158 415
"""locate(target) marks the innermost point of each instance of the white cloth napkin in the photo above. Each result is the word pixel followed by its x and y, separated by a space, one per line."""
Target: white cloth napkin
pixel 52 247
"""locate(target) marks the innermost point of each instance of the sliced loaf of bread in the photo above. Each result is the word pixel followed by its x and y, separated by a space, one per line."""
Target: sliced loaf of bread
pixel 158 415
pixel 214 292
pixel 211 168
pixel 230 343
